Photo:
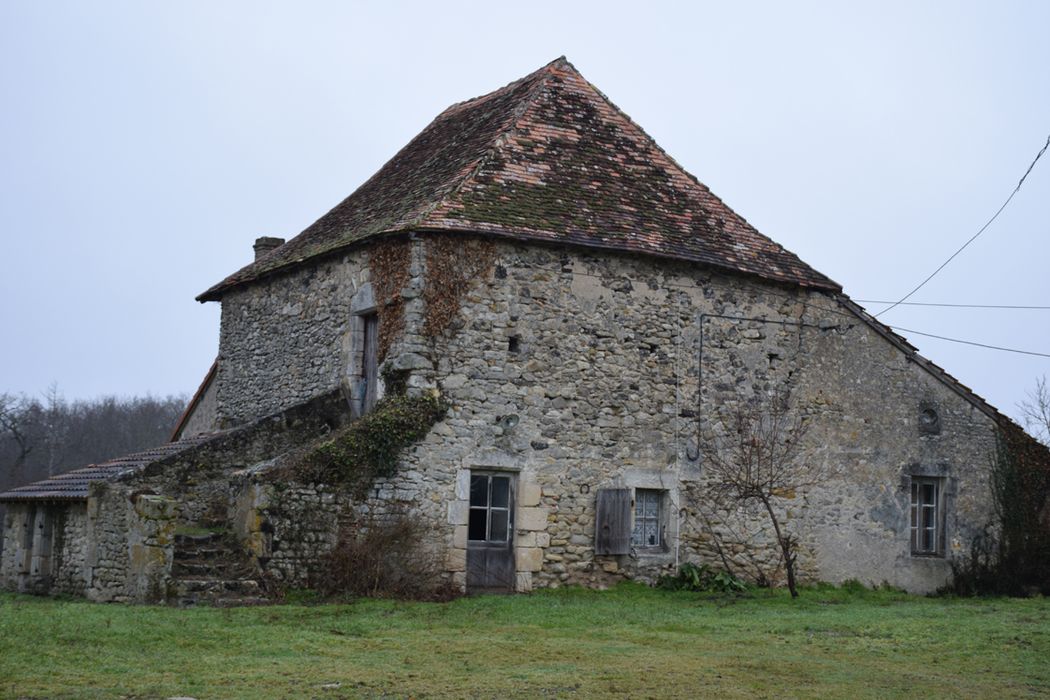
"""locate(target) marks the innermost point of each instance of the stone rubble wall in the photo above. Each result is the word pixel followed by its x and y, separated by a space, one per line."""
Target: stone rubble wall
pixel 70 549
pixel 66 550
pixel 598 357
pixel 118 544
pixel 571 371
pixel 204 417
pixel 284 341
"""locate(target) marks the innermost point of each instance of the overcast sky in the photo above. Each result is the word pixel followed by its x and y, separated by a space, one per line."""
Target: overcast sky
pixel 144 146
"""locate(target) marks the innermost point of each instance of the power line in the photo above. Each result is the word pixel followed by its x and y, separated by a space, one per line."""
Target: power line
pixel 953 306
pixel 974 237
pixel 970 342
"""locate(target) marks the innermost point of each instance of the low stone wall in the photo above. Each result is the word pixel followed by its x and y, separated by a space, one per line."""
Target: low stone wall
pixel 44 549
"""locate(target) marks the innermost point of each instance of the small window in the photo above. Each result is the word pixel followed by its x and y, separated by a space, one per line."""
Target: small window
pixel 926 516
pixel 648 518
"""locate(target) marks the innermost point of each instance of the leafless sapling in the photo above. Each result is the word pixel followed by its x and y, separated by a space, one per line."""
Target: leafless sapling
pixel 760 463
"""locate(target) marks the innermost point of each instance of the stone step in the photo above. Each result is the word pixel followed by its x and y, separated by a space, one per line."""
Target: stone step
pixel 215 586
pixel 240 601
pixel 198 540
pixel 209 568
pixel 206 552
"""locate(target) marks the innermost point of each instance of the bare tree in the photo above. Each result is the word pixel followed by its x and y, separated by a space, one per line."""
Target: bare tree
pixel 47 436
pixel 1035 411
pixel 13 425
pixel 760 464
pixel 56 427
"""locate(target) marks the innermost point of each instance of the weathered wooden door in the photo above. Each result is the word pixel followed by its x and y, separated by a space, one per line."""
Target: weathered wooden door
pixel 490 533
pixel 370 361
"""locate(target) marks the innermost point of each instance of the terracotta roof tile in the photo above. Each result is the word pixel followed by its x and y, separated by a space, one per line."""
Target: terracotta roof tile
pixel 73 485
pixel 546 158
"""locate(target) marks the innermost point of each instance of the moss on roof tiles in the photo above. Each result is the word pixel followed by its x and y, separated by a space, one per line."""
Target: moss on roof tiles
pixel 547 157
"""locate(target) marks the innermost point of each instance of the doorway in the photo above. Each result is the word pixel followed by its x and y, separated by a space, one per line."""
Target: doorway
pixel 490 533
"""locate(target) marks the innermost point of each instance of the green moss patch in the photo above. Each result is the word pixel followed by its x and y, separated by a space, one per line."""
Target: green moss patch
pixel 371 447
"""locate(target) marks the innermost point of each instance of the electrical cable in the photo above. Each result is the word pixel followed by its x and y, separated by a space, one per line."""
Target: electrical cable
pixel 974 237
pixel 970 342
pixel 955 306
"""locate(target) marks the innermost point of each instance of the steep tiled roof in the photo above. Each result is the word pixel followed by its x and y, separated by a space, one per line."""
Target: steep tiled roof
pixel 73 486
pixel 546 158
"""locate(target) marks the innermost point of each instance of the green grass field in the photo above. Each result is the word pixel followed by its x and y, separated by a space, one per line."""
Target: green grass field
pixel 628 642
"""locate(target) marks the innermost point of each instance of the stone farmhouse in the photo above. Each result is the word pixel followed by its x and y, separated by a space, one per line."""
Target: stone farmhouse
pixel 592 317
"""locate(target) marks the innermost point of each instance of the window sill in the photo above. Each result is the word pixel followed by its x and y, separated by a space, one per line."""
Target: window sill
pixel 927 555
pixel 651 553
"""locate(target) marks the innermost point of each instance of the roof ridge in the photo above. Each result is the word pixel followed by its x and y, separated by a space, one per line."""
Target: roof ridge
pixel 474 101
pixel 671 159
pixel 497 140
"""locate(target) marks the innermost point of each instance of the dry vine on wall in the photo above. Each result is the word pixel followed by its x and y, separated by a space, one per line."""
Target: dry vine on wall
pixel 452 265
pixel 389 263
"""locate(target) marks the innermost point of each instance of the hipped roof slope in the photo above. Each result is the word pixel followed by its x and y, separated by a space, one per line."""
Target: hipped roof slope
pixel 547 158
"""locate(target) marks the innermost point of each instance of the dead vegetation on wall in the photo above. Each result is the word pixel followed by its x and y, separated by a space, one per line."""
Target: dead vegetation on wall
pixel 453 263
pixel 389 263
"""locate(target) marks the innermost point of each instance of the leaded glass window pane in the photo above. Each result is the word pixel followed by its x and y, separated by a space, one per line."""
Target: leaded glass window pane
pixel 647 518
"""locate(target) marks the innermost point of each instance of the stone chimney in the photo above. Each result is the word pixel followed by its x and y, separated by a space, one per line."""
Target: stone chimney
pixel 265 244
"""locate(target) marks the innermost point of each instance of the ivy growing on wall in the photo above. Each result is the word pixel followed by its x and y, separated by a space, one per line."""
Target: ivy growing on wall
pixel 370 447
pixel 453 263
pixel 389 263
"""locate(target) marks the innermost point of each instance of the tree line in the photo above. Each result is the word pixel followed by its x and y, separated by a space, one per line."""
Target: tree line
pixel 47 435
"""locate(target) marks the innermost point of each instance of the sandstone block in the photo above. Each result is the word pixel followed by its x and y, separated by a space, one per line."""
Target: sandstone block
pixel 458 512
pixel 528 559
pixel 463 484
pixel 531 519
pixel 529 494
pixel 456 560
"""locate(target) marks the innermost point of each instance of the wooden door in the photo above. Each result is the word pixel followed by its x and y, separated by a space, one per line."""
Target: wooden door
pixel 490 533
pixel 370 361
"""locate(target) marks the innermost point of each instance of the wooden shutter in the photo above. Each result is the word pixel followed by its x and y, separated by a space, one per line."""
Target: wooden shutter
pixel 612 522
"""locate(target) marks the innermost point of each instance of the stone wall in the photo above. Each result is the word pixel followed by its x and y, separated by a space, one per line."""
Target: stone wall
pixel 599 360
pixel 283 342
pixel 204 418
pixel 118 544
pixel 572 372
pixel 44 548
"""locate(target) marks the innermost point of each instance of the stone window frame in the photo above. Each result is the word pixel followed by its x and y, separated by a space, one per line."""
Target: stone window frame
pixel 947 493
pixel 362 305
pixel 667 484
pixel 530 537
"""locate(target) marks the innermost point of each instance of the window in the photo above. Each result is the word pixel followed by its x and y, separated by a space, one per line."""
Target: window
pixel 926 531
pixel 489 508
pixel 648 518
